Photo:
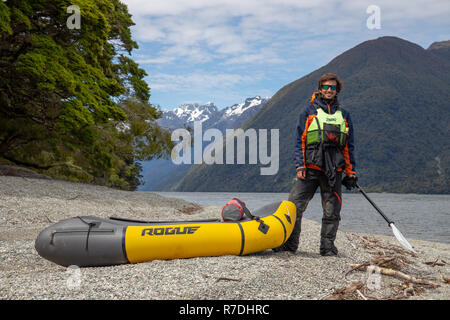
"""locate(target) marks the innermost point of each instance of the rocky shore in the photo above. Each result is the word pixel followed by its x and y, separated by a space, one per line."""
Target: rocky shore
pixel 367 267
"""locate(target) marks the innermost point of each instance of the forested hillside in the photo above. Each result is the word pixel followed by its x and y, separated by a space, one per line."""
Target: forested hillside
pixel 73 104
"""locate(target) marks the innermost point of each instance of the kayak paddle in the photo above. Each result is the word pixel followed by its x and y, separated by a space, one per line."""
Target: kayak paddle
pixel 396 232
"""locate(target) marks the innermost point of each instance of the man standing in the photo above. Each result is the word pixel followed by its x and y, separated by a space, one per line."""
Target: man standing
pixel 323 150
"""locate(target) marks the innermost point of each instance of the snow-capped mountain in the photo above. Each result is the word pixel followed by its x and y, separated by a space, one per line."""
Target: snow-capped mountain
pixel 240 108
pixel 186 114
pixel 236 115
pixel 195 112
pixel 210 116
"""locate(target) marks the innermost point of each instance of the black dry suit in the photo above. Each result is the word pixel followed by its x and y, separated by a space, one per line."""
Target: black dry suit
pixel 324 143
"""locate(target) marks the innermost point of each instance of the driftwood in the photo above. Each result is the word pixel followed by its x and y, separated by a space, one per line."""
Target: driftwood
pixel 408 288
pixel 361 295
pixel 357 267
pixel 400 275
pixel 346 293
pixel 436 263
pixel 227 279
pixel 380 247
pixel 393 262
pixel 388 260
pixel 411 286
pixel 222 278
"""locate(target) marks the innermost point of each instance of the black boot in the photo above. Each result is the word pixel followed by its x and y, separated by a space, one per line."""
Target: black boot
pixel 331 204
pixel 327 237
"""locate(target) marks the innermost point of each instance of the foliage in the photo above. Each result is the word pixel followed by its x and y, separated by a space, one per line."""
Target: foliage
pixel 64 92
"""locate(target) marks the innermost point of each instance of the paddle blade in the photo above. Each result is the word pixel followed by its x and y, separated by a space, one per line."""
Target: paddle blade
pixel 401 238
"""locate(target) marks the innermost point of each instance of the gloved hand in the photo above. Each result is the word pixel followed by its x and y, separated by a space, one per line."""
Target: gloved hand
pixel 301 174
pixel 350 182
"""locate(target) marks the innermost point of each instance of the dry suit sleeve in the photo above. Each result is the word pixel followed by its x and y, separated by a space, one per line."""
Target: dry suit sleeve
pixel 298 146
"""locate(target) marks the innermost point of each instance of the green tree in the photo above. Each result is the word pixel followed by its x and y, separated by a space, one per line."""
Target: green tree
pixel 73 104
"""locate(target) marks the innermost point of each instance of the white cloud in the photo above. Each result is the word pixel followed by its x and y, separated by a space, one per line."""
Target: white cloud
pixel 193 21
pixel 160 60
pixel 199 81
pixel 201 30
pixel 263 56
pixel 224 89
pixel 184 40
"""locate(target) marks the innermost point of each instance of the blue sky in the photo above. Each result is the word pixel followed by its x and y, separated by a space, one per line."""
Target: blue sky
pixel 227 50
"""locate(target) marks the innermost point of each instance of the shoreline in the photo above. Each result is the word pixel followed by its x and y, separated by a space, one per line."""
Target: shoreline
pixel 357 214
pixel 29 205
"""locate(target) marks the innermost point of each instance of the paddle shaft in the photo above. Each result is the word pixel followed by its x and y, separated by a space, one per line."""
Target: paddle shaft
pixel 374 205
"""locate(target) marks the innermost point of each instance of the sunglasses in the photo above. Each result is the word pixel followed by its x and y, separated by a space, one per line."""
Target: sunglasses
pixel 326 87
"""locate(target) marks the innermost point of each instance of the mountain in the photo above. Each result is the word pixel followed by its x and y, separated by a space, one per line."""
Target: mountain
pixel 187 113
pixel 162 174
pixel 227 118
pixel 397 94
pixel 236 115
pixel 441 49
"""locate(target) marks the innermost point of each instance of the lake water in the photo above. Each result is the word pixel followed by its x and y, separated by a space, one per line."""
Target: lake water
pixel 425 217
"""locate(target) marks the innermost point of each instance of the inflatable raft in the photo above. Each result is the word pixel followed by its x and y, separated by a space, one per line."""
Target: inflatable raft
pixel 92 241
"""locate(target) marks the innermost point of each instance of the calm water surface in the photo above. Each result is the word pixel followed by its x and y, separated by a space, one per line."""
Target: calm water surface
pixel 425 217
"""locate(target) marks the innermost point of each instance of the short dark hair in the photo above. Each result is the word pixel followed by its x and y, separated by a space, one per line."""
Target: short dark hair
pixel 330 76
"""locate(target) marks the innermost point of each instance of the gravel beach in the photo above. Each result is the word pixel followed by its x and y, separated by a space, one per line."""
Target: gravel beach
pixel 29 205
